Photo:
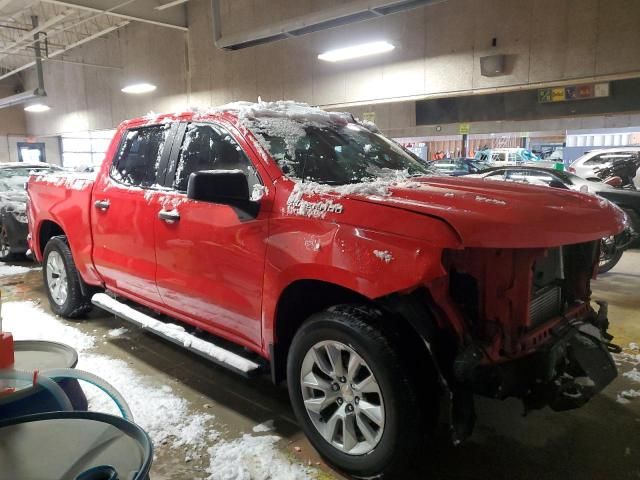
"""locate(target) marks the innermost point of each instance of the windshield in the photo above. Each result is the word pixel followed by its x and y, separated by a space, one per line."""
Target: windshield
pixel 332 153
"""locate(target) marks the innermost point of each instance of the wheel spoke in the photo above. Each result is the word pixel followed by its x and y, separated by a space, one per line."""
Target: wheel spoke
pixel 353 366
pixel 349 436
pixel 322 364
pixel 332 424
pixel 366 429
pixel 372 412
pixel 311 380
pixel 367 385
pixel 335 357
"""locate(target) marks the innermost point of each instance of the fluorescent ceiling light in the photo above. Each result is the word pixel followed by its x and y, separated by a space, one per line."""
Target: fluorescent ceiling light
pixel 139 88
pixel 37 108
pixel 356 51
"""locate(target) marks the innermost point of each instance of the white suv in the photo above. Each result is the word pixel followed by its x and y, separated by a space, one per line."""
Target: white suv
pixel 586 165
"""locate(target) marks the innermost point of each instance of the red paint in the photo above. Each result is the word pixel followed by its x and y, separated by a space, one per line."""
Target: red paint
pixel 6 350
pixel 226 276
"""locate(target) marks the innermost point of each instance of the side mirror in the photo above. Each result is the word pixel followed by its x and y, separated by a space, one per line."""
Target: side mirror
pixel 226 187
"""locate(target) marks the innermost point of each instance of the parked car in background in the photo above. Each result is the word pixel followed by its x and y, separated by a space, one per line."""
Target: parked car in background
pixel 460 166
pixel 505 156
pixel 13 206
pixel 612 247
pixel 588 165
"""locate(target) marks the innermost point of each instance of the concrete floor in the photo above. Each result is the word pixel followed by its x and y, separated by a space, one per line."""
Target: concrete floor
pixel 599 441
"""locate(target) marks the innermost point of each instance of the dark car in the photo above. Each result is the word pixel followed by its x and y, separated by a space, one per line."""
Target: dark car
pixel 457 167
pixel 13 206
pixel 627 200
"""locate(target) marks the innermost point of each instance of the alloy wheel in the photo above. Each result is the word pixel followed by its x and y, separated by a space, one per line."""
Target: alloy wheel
pixel 57 278
pixel 342 397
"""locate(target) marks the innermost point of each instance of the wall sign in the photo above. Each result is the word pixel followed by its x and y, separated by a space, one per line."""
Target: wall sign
pixel 369 116
pixel 573 92
pixel 464 129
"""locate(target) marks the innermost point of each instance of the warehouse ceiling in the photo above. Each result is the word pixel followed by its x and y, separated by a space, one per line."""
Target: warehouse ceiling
pixel 63 25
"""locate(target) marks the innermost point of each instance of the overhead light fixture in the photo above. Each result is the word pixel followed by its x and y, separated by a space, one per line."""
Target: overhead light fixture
pixel 138 88
pixel 356 51
pixel 37 108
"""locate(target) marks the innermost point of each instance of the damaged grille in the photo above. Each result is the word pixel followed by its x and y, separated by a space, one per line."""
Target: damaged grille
pixel 546 292
pixel 546 304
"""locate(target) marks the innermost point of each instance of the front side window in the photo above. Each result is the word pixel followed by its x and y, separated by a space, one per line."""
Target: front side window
pixel 139 157
pixel 209 147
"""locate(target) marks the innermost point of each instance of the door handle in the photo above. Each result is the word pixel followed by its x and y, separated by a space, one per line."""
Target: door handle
pixel 102 205
pixel 169 216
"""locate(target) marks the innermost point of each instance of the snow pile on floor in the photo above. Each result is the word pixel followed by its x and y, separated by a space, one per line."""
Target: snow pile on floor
pixel 158 410
pixel 625 396
pixel 6 270
pixel 252 458
pixel 117 332
pixel 27 321
pixel 267 426
pixel 633 375
pixel 166 416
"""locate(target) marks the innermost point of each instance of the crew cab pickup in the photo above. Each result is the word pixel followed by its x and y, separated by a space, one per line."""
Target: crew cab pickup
pixel 373 286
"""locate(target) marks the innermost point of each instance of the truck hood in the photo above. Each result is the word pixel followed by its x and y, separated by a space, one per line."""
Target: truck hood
pixel 494 214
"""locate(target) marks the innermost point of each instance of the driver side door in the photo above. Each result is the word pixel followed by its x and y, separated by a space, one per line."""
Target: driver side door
pixel 210 262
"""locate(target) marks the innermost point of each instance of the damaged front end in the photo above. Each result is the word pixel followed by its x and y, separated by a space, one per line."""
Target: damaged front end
pixel 526 328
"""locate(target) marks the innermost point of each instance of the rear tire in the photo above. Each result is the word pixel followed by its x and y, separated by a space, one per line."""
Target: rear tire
pixel 62 281
pixel 335 415
pixel 5 244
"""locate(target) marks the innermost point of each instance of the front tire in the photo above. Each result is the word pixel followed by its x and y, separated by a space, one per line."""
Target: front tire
pixel 354 397
pixel 62 280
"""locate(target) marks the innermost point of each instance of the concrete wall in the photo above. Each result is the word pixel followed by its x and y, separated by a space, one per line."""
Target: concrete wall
pixel 12 125
pixel 439 48
pixel 88 98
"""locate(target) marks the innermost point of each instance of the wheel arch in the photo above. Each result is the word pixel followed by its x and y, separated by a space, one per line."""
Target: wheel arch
pixel 46 231
pixel 406 320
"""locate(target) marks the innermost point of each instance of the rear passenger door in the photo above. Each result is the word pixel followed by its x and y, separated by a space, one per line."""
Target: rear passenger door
pixel 210 262
pixel 124 212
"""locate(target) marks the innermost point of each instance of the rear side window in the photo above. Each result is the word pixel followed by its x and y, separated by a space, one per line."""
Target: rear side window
pixel 209 147
pixel 139 157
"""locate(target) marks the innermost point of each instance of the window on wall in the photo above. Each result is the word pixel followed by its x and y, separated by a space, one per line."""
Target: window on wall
pixel 85 149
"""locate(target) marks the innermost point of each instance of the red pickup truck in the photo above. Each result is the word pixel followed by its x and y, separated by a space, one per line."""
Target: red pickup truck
pixel 339 260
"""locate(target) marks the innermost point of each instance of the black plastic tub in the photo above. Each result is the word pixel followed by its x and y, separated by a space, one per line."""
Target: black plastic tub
pixel 33 355
pixel 73 446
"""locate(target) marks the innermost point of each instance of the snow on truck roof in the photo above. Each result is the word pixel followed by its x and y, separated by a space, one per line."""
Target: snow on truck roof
pixel 285 109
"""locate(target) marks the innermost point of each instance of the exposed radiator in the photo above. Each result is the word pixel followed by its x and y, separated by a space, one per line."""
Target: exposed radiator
pixel 545 304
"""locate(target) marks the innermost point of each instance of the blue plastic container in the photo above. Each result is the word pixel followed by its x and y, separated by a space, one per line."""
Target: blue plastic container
pixel 73 446
pixel 40 355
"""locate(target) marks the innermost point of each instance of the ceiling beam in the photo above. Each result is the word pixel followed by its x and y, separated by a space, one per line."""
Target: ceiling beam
pixel 67 48
pixel 29 35
pixel 137 10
